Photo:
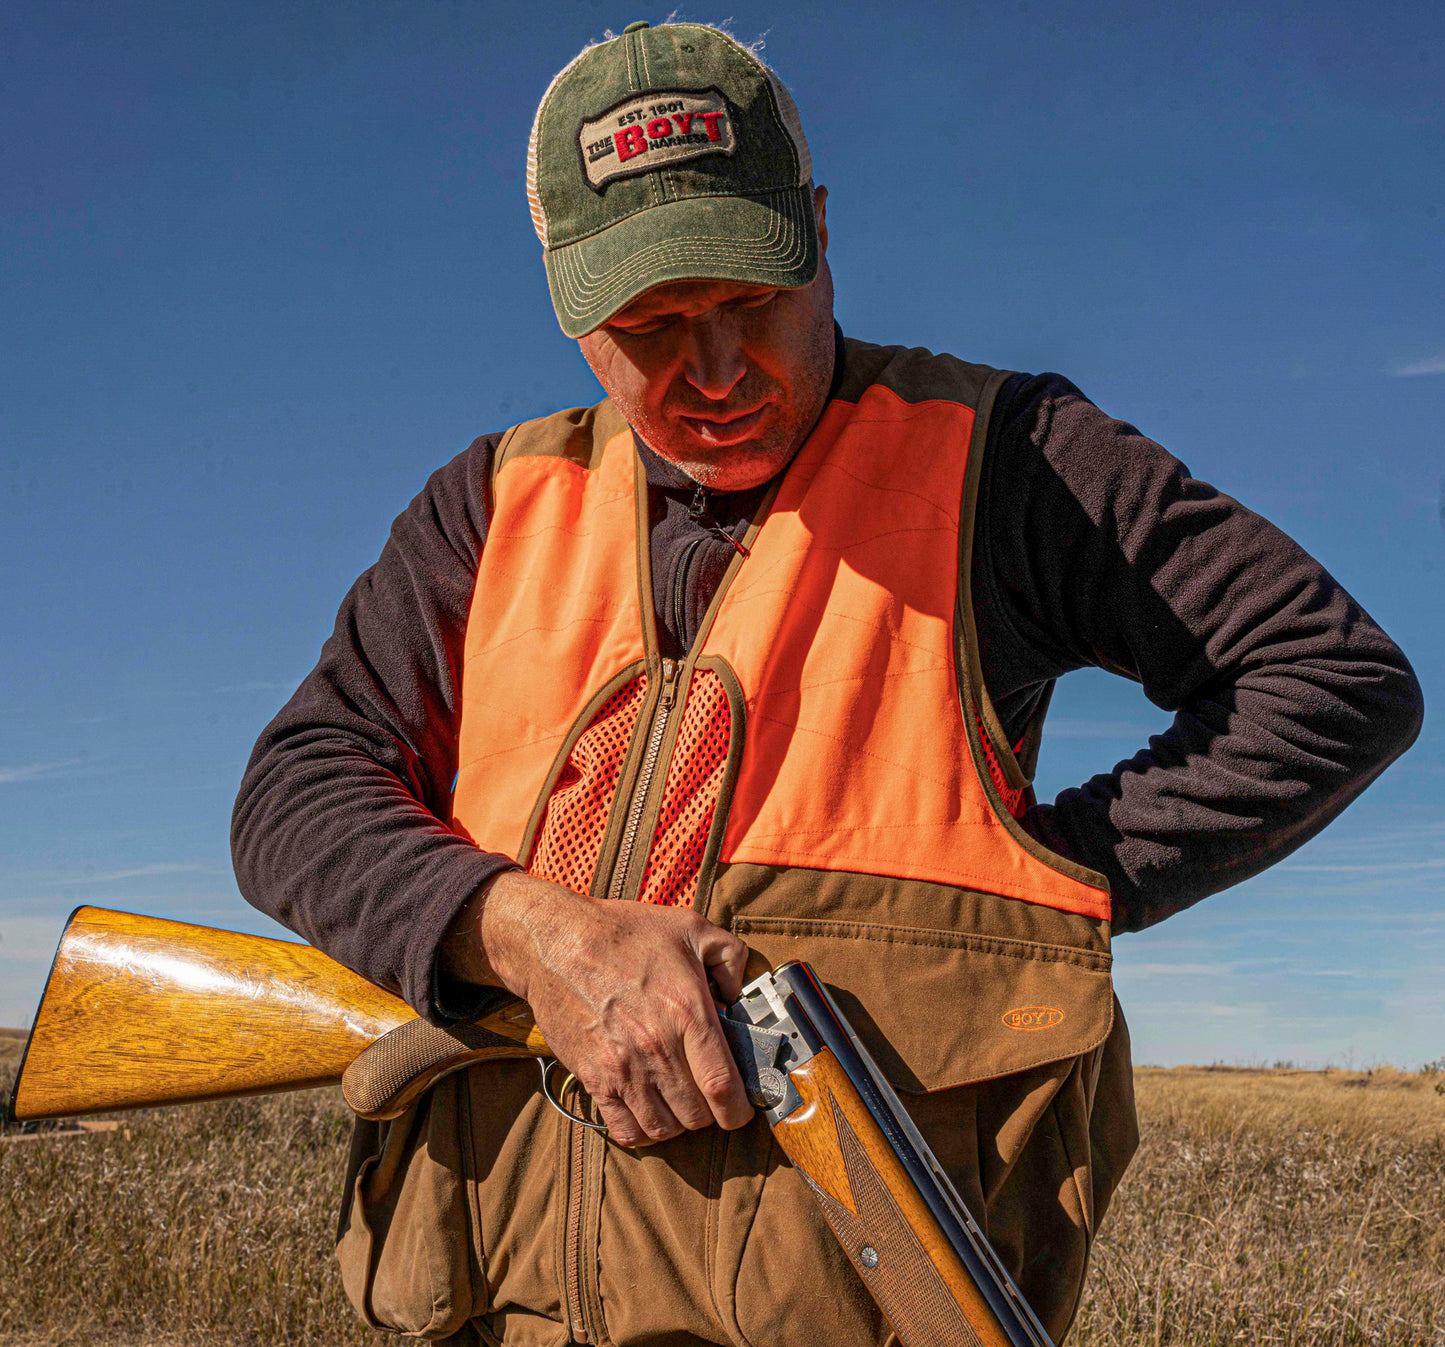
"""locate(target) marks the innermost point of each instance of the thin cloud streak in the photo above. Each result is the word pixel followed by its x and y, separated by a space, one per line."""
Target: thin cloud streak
pixel 140 872
pixel 1393 866
pixel 34 770
pixel 1435 364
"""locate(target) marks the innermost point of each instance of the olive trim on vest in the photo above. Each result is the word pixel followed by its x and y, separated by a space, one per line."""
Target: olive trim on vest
pixel 737 735
pixel 913 373
pixel 1095 960
pixel 744 889
pixel 642 532
pixel 969 674
pixel 765 508
pixel 592 429
pixel 534 823
pixel 611 846
pixel 637 749
pixel 650 813
pixel 968 642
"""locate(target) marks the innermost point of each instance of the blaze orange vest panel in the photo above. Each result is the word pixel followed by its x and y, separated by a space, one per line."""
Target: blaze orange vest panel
pixel 861 747
pixel 553 618
pixel 840 628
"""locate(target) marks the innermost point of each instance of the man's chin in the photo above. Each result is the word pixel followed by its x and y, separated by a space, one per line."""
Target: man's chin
pixel 731 467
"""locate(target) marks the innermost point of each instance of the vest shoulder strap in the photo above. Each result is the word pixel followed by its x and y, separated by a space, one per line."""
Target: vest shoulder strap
pixel 913 373
pixel 579 434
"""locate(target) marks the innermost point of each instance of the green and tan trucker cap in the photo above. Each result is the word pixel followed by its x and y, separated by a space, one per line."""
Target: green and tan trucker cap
pixel 667 154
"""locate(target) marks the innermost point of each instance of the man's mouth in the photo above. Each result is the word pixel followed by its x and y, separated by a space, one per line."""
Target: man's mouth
pixel 724 428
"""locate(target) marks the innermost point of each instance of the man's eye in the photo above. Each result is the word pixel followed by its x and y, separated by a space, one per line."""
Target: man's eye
pixel 641 329
pixel 757 301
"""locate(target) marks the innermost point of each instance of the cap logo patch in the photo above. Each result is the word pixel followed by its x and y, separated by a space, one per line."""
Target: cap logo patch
pixel 653 130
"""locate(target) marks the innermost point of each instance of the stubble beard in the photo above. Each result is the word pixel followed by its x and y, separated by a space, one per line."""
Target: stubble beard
pixel 739 467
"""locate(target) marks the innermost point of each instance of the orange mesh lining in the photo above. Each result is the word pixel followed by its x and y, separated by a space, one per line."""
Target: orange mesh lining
pixel 1015 798
pixel 570 838
pixel 690 794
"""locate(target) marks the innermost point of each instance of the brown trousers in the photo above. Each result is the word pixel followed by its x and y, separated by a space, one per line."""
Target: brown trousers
pixel 482 1217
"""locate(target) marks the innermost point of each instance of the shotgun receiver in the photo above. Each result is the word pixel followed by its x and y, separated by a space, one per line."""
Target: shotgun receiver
pixel 139 1012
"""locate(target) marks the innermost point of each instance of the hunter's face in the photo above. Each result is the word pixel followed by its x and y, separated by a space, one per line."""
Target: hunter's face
pixel 720 378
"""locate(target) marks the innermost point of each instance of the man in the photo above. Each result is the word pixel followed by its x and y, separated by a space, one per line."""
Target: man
pixel 765 640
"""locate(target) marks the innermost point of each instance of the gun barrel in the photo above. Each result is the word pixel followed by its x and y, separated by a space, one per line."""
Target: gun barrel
pixel 879 1185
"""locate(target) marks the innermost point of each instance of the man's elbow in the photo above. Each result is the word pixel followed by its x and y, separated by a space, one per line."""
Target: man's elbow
pixel 1393 715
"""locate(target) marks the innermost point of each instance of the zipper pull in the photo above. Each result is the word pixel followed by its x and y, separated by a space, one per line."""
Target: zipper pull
pixel 728 537
pixel 669 678
pixel 699 507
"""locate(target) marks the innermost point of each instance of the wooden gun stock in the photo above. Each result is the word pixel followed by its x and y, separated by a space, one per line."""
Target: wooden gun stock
pixel 140 1012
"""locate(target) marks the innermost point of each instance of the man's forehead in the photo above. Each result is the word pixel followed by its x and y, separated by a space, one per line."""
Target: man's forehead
pixel 688 298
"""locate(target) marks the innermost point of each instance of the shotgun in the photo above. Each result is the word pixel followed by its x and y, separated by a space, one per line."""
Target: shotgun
pixel 139 1012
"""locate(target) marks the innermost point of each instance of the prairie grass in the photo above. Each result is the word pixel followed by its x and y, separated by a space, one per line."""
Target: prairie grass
pixel 1271 1207
pixel 1281 1207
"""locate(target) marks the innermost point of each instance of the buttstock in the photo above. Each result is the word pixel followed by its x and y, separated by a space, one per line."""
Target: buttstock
pixel 874 1209
pixel 140 1011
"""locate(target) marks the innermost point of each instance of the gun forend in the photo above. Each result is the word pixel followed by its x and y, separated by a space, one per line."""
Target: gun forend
pixel 887 1199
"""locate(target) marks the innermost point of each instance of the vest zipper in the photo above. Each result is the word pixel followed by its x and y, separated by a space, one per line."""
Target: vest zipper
pixel 574 1249
pixel 670 670
pixel 576 1196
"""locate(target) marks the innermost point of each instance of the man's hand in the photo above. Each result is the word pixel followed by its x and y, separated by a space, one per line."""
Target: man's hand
pixel 620 990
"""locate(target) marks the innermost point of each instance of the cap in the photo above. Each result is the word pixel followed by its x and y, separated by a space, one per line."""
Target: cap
pixel 667 154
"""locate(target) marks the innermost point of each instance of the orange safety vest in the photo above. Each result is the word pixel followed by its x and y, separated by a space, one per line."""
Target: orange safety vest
pixel 823 773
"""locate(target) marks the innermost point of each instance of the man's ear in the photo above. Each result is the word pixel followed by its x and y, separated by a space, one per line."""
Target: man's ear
pixel 820 212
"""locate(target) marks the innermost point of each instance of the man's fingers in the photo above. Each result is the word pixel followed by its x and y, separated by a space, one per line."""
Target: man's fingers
pixel 716 1075
pixel 621 1126
pixel 686 1100
pixel 725 958
pixel 642 1117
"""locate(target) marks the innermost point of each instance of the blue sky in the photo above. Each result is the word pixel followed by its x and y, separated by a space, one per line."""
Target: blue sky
pixel 263 266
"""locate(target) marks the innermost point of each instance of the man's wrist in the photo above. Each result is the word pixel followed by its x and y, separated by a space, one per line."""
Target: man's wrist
pixel 463 955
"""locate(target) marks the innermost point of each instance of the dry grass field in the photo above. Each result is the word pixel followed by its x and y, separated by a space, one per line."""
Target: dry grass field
pixel 1283 1207
pixel 1274 1207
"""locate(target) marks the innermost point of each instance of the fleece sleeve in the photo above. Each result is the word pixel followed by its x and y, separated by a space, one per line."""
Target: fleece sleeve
pixel 338 828
pixel 1096 547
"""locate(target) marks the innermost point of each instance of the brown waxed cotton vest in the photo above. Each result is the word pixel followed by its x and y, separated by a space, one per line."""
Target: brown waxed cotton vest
pixel 822 774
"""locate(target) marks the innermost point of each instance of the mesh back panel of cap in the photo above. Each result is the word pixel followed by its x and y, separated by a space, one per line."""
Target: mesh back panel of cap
pixel 690 795
pixel 570 838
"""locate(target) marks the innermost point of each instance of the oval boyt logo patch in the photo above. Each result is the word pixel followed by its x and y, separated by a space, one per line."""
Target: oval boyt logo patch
pixel 1033 1017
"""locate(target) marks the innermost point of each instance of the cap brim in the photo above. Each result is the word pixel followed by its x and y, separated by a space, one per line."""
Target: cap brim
pixel 767 239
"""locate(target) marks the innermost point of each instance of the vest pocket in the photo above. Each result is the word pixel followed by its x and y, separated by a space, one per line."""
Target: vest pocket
pixel 450 1210
pixel 404 1245
pixel 1003 988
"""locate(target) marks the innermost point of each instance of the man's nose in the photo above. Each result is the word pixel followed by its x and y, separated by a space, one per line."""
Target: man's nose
pixel 714 363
